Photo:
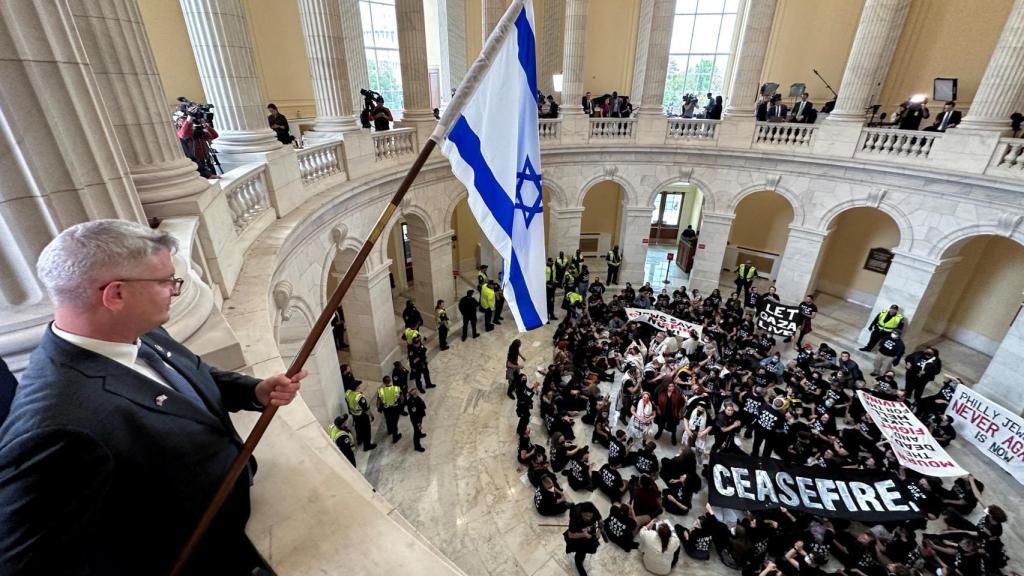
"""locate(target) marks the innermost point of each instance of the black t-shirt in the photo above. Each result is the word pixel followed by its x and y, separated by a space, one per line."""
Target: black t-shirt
pixel 806 310
pixel 723 421
pixel 619 527
pixel 546 502
pixel 769 419
pixel 645 462
pixel 616 451
pixel 753 404
pixel 578 476
pixel 609 479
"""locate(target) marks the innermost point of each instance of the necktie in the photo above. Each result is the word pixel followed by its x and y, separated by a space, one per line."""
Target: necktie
pixel 945 118
pixel 176 380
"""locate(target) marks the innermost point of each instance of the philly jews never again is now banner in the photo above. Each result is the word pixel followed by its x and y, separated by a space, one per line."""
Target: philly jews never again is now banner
pixel 994 430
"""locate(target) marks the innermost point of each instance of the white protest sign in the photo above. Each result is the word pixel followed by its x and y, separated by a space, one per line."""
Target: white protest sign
pixel 663 321
pixel 909 439
pixel 994 430
pixel 778 319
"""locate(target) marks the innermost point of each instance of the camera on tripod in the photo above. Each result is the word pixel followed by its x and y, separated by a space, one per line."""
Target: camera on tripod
pixel 369 99
pixel 196 112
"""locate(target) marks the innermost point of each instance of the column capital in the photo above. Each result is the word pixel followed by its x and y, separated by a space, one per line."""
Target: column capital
pixel 567 212
pixel 712 218
pixel 637 211
pixel 813 234
pixel 915 261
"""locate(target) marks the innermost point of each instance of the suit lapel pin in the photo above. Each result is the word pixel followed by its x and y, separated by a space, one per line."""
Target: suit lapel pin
pixel 168 354
pixel 161 399
pixel 158 348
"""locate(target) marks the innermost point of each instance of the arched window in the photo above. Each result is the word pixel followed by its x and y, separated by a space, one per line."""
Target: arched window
pixel 703 43
pixel 380 36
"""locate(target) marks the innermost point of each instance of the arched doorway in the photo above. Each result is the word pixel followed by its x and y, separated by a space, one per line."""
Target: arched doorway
pixel 852 264
pixel 470 248
pixel 410 269
pixel 371 334
pixel 759 233
pixel 677 207
pixel 977 303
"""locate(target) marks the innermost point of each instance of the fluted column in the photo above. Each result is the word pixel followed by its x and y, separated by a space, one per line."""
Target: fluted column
pixel 879 28
pixel 643 38
pixel 746 80
pixel 352 32
pixel 572 60
pixel 325 50
pixel 223 52
pixel 552 47
pixel 452 17
pixel 117 46
pixel 412 52
pixel 659 37
pixel 1001 91
pixel 491 12
pixel 60 162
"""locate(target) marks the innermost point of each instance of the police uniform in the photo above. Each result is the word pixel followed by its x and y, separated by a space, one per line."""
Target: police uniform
pixel 359 408
pixel 388 403
pixel 550 284
pixel 419 366
pixel 745 274
pixel 884 323
pixel 417 411
pixel 561 263
pixel 441 321
pixel 343 439
pixel 614 261
pixel 487 305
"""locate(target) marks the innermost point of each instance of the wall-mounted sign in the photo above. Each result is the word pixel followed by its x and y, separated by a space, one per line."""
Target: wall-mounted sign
pixel 879 260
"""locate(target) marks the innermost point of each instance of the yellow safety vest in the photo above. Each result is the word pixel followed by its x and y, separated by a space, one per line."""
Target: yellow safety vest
pixel 613 258
pixel 440 316
pixel 487 298
pixel 481 277
pixel 569 278
pixel 891 324
pixel 573 298
pixel 548 273
pixel 746 272
pixel 388 395
pixel 334 432
pixel 562 261
pixel 409 334
pixel 352 398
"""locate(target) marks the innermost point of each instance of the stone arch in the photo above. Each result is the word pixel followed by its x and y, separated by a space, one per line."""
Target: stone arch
pixel 627 187
pixel 794 202
pixel 710 201
pixel 903 223
pixel 558 198
pixel 958 237
pixel 350 246
pixel 415 216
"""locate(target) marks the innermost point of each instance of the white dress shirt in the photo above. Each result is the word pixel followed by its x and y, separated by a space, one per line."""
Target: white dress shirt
pixel 124 354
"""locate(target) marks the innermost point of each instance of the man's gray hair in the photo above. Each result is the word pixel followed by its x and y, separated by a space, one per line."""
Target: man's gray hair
pixel 102 250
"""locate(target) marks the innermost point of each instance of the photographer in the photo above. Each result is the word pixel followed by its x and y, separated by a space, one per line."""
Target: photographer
pixel 689 106
pixel 279 124
pixel 195 133
pixel 911 113
pixel 381 116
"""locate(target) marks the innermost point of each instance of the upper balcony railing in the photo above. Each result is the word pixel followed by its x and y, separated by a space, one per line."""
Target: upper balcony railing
pixel 247 193
pixel 550 129
pixel 891 143
pixel 622 129
pixel 775 134
pixel 682 129
pixel 391 144
pixel 321 160
pixel 1009 157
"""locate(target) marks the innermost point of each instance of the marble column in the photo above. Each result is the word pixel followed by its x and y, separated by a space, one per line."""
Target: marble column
pixel 564 235
pixel 880 24
pixel 1001 91
pixel 328 67
pixel 799 264
pixel 711 244
pixel 432 263
pixel 746 79
pixel 999 383
pixel 452 17
pixel 223 51
pixel 575 124
pixel 370 313
pixel 552 30
pixel 352 33
pixel 59 157
pixel 652 120
pixel 491 12
pixel 912 283
pixel 643 37
pixel 412 42
pixel 636 226
pixel 117 46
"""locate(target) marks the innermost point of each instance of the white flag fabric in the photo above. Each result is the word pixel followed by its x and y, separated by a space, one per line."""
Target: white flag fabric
pixel 494 149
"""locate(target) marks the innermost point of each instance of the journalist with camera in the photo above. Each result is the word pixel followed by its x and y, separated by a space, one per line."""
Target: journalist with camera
pixel 193 122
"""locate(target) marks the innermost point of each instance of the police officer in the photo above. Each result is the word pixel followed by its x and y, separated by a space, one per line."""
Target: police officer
pixel 577 259
pixel 561 263
pixel 551 284
pixel 418 364
pixel 417 410
pixel 487 305
pixel 342 437
pixel 389 402
pixel 409 334
pixel 745 274
pixel 614 261
pixel 572 300
pixel 499 302
pixel 481 276
pixel 441 321
pixel 359 408
pixel 884 323
pixel 467 308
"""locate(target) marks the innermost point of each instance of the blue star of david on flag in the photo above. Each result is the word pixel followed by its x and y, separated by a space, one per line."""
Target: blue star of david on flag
pixel 528 174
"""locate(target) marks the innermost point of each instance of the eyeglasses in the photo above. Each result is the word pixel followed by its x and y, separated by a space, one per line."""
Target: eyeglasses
pixel 175 282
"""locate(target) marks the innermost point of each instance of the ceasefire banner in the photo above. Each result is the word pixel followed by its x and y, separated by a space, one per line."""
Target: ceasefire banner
pixel 994 430
pixel 663 321
pixel 910 440
pixel 779 319
pixel 744 482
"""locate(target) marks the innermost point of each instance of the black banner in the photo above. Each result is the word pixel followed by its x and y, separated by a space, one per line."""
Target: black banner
pixel 779 319
pixel 743 482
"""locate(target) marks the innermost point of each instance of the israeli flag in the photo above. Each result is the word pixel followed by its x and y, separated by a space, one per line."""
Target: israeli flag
pixel 494 149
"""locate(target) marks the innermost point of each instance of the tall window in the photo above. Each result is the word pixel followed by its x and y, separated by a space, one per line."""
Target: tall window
pixel 380 36
pixel 702 44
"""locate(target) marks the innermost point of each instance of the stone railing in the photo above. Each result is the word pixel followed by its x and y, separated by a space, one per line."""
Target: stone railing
pixel 321 160
pixel 612 128
pixel 246 191
pixel 392 144
pixel 691 129
pixel 782 134
pixel 889 142
pixel 549 129
pixel 1009 156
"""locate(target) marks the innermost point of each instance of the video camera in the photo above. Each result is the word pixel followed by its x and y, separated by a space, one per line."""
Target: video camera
pixel 369 98
pixel 689 97
pixel 195 111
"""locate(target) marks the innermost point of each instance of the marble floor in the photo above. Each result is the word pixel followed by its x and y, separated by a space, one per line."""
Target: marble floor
pixel 468 495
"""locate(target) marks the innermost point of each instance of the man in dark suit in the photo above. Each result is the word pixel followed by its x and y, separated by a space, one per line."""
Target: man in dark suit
pixel 588 104
pixel 777 111
pixel 7 386
pixel 948 118
pixel 803 111
pixel 118 435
